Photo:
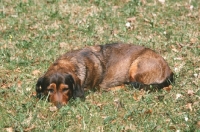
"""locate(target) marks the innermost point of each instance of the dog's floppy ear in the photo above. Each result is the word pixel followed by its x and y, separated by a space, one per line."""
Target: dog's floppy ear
pixel 39 87
pixel 77 90
pixel 69 81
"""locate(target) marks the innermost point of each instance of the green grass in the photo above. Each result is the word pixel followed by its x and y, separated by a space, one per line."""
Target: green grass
pixel 34 33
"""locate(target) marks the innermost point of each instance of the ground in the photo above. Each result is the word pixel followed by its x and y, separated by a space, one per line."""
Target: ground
pixel 34 33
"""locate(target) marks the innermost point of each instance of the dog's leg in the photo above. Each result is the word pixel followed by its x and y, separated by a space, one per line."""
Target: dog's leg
pixel 116 88
pixel 147 71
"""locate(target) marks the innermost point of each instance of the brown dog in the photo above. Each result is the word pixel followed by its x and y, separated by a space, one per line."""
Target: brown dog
pixel 103 66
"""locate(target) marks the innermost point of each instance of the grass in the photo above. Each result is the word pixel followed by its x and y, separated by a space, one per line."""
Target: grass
pixel 34 33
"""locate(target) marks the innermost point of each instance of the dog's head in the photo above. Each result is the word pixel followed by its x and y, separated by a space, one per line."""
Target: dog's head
pixel 59 87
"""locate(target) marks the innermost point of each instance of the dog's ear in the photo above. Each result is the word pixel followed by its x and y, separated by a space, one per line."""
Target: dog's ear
pixel 69 81
pixel 39 87
pixel 77 90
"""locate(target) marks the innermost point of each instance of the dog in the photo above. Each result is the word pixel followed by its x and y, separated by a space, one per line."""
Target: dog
pixel 103 67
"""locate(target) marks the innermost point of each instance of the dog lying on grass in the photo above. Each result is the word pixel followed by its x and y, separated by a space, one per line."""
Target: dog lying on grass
pixel 103 67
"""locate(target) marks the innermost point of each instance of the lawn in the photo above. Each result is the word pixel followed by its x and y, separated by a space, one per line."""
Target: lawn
pixel 34 33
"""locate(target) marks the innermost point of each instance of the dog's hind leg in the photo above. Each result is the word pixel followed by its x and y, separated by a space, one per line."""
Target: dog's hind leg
pixel 147 71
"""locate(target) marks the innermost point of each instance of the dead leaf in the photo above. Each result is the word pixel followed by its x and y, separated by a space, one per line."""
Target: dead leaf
pixel 118 103
pixel 178 58
pixel 172 127
pixel 131 19
pixel 193 40
pixel 178 67
pixel 179 45
pixel 6 85
pixel 99 105
pixel 18 70
pixel 28 120
pixel 190 92
pixel 41 116
pixel 143 2
pixel 189 106
pixel 130 128
pixel 174 49
pixel 168 89
pixel 63 45
pixel 10 129
pixel 104 117
pixel 25 1
pixel 149 111
pixel 196 103
pixel 19 84
pixel 138 37
pixel 168 120
pixel 135 96
pixel 114 32
pixel 138 95
pixel 146 20
pixel 198 124
pixel 79 117
pixel 34 94
pixel 35 72
pixel 53 108
pixel 29 128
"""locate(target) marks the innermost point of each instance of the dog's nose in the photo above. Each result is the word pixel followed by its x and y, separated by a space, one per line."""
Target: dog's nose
pixel 59 105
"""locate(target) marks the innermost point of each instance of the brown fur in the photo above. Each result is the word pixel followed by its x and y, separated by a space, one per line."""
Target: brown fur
pixel 103 66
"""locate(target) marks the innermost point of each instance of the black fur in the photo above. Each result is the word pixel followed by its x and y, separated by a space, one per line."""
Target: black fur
pixel 58 78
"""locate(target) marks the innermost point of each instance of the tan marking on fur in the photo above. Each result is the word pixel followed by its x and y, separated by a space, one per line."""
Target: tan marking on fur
pixel 116 88
pixel 62 86
pixel 52 86
pixel 133 70
pixel 59 96
pixel 95 48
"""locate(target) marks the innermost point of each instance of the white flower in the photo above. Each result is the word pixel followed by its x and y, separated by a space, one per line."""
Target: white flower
pixel 191 7
pixel 186 118
pixel 178 96
pixel 195 75
pixel 162 1
pixel 175 69
pixel 28 89
pixel 128 24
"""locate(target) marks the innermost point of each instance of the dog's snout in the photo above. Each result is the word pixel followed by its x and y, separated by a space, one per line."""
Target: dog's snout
pixel 58 105
pixel 58 100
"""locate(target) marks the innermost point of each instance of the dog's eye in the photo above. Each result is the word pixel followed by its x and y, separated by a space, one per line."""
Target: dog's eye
pixel 50 90
pixel 65 89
